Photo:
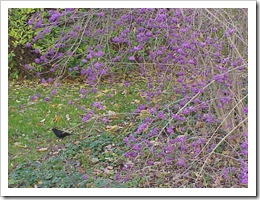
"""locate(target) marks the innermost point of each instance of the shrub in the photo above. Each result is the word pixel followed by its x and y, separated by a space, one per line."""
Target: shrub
pixel 194 64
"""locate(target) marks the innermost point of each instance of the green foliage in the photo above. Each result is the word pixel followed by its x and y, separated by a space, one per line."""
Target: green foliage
pixel 49 174
pixel 11 65
pixel 18 29
pixel 19 33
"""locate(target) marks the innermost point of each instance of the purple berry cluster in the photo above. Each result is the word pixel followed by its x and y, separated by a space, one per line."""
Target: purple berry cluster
pixel 194 66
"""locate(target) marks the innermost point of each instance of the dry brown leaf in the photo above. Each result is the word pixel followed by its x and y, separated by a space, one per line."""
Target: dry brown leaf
pixel 88 151
pixel 40 124
pixel 76 142
pixel 55 152
pixel 111 113
pixel 112 129
pixel 109 167
pixel 97 171
pixel 42 149
pixel 172 98
pixel 200 124
pixel 57 118
pixel 12 109
pixel 137 101
pixel 143 114
pixel 105 91
pixel 20 145
pixel 81 170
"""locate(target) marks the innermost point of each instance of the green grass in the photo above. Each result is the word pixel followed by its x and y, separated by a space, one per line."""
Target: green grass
pixel 32 146
pixel 38 158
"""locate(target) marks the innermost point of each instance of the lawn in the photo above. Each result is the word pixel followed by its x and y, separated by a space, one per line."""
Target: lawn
pixel 36 154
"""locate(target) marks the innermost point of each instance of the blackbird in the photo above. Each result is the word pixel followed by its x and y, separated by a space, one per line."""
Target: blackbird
pixel 60 134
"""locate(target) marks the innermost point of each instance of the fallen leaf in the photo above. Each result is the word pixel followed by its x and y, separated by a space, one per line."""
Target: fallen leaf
pixel 107 171
pixel 56 152
pixel 110 113
pixel 161 174
pixel 137 101
pixel 76 142
pixel 109 167
pixel 12 109
pixel 88 151
pixel 57 118
pixel 157 163
pixel 99 131
pixel 42 149
pixel 113 128
pixel 143 114
pixel 67 117
pixel 109 159
pixel 108 147
pixel 97 171
pixel 200 124
pixel 20 145
pixel 81 170
pixel 100 94
pixel 40 124
pixel 155 143
pixel 124 92
pixel 94 160
pixel 172 98
pixel 105 91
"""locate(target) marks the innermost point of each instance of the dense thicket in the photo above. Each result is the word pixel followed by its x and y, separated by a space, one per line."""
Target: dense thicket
pixel 196 57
